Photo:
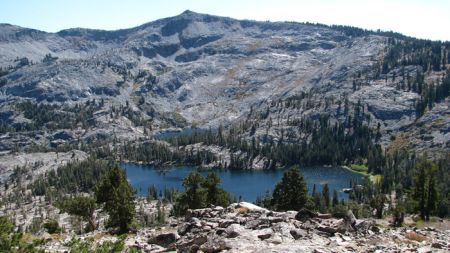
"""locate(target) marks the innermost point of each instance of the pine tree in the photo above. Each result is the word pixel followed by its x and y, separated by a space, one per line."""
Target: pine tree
pixel 424 188
pixel 152 193
pixel 326 196
pixel 6 229
pixel 200 192
pixel 214 194
pixel 194 193
pixel 161 216
pixel 378 204
pixel 117 195
pixel 291 192
pixel 83 207
pixel 335 200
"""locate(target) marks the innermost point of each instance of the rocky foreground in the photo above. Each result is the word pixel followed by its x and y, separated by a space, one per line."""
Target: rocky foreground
pixel 244 227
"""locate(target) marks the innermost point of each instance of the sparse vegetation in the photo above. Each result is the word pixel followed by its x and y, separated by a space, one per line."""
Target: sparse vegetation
pixel 201 192
pixel 116 195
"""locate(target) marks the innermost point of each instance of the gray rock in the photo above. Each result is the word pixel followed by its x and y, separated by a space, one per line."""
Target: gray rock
pixel 265 234
pixel 350 218
pixel 184 228
pixel 438 245
pixel 191 245
pixel 335 226
pixel 363 226
pixel 195 222
pixel 253 224
pixel 226 223
pixel 234 230
pixel 298 233
pixel 325 235
pixel 209 70
pixel 165 239
pixel 198 213
pixel 305 214
pixel 215 245
pixel 275 239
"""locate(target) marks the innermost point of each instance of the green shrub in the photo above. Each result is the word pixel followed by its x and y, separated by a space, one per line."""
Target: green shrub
pixel 52 227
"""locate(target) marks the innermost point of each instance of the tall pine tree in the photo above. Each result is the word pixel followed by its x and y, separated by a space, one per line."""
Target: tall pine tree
pixel 424 188
pixel 117 195
pixel 291 192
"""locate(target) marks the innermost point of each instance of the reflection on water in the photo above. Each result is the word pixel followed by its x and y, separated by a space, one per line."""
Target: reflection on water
pixel 247 184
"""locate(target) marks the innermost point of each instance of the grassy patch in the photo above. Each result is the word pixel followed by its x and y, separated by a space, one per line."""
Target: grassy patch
pixel 359 168
pixel 363 170
pixel 420 223
pixel 376 178
pixel 28 238
pixel 243 210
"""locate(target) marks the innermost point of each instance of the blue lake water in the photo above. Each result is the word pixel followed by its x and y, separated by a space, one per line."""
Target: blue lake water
pixel 247 184
pixel 173 133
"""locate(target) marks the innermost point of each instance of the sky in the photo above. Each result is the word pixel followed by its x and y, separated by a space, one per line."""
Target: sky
pixel 427 19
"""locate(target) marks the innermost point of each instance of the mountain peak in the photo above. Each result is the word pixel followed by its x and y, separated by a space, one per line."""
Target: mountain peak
pixel 188 12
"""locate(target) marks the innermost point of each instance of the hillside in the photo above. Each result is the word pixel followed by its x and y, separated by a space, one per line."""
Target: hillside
pixel 203 70
pixel 216 93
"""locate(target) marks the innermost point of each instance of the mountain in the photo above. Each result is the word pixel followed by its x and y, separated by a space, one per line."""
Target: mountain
pixel 213 92
pixel 202 70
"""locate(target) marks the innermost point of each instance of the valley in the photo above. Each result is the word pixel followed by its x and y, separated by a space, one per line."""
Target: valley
pixel 245 103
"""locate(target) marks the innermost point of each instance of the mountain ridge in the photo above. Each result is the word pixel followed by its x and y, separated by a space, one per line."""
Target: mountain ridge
pixel 206 70
pixel 197 16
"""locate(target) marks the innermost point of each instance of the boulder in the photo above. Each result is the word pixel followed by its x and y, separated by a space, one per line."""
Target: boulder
pixel 234 230
pixel 198 213
pixel 191 245
pixel 215 245
pixel 164 239
pixel 195 222
pixel 305 214
pixel 184 228
pixel 437 245
pixel 327 229
pixel 265 234
pixel 324 215
pixel 275 239
pixel 271 220
pixel 298 233
pixel 253 224
pixel 251 207
pixel 226 223
pixel 283 229
pixel 363 226
pixel 350 218
pixel 335 226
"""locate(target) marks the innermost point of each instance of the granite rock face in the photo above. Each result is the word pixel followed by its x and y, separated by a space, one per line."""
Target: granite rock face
pixel 243 227
pixel 203 70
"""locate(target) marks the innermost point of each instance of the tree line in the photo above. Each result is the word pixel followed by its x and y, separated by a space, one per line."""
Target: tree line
pixel 330 143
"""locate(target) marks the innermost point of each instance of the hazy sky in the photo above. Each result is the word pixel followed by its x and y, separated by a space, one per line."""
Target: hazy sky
pixel 428 19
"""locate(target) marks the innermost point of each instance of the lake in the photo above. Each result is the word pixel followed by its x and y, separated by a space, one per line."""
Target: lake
pixel 249 184
pixel 167 134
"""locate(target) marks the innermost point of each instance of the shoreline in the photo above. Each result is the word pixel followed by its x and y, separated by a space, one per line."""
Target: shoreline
pixel 373 178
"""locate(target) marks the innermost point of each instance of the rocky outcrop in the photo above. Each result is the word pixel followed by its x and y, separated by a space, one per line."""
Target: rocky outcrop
pixel 164 239
pixel 244 227
pixel 206 70
pixel 209 69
